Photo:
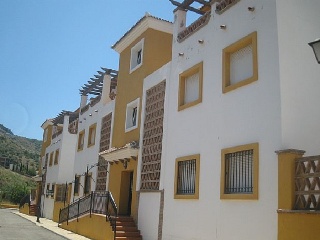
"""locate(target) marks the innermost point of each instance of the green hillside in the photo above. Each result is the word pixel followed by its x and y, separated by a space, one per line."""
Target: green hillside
pixel 13 186
pixel 21 151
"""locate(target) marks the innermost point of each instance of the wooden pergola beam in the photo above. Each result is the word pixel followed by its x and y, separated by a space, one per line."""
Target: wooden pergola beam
pixel 186 5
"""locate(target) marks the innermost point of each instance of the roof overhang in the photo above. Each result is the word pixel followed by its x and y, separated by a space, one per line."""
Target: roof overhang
pixel 46 123
pixel 140 27
pixel 127 152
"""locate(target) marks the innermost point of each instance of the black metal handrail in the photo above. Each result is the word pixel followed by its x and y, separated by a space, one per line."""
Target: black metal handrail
pixel 95 202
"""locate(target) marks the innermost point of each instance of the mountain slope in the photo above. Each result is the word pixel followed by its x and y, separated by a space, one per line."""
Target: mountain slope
pixel 19 149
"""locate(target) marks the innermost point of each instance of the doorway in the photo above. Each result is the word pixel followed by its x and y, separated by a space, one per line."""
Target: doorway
pixel 126 193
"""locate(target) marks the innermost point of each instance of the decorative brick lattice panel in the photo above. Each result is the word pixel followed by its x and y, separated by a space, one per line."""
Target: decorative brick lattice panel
pixel 307 182
pixel 152 137
pixel 101 184
pixel 105 132
pixel 104 145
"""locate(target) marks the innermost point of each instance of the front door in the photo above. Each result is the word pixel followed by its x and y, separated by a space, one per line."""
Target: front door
pixel 126 193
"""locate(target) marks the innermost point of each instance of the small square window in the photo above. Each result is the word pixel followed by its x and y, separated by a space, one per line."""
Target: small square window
pixel 132 115
pixel 81 140
pixel 136 56
pixel 92 135
pixel 239 172
pixel 240 63
pixel 190 87
pixel 56 157
pixel 186 182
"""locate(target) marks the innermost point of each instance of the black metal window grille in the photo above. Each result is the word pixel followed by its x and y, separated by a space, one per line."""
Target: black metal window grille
pixel 239 172
pixel 61 193
pixel 186 177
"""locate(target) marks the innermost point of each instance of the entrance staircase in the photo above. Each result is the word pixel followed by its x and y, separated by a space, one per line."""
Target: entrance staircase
pixel 126 229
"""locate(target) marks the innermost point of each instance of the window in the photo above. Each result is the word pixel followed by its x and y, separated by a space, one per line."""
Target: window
pixel 87 183
pixel 56 157
pixel 132 115
pixel 190 87
pixel 136 56
pixel 61 194
pixel 186 185
pixel 76 185
pixel 81 140
pixel 48 190
pixel 239 172
pixel 51 159
pixel 240 63
pixel 92 135
pixel 52 190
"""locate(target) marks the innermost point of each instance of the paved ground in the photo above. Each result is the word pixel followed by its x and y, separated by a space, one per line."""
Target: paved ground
pixel 15 225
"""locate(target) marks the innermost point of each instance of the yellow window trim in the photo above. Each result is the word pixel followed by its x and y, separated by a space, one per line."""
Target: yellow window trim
pixel 182 79
pixel 81 135
pixel 56 157
pixel 196 194
pixel 246 41
pixel 249 196
pixel 92 129
pixel 51 159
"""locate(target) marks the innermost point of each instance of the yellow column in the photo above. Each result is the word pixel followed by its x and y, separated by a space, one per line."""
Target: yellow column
pixel 286 172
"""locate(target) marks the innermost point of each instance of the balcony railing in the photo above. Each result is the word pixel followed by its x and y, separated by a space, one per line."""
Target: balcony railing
pixel 307 182
pixel 225 5
pixel 195 26
pixel 95 202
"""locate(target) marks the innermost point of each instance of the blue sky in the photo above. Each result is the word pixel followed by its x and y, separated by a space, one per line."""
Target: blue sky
pixel 50 48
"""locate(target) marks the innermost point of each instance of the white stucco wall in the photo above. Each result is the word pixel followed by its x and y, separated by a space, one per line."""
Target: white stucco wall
pixel 90 155
pixel 246 115
pixel 298 24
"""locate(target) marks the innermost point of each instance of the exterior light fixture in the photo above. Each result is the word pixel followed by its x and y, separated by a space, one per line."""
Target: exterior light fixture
pixel 223 26
pixel 316 48
pixel 96 110
pixel 90 114
pixel 251 9
pixel 181 54
pixel 201 41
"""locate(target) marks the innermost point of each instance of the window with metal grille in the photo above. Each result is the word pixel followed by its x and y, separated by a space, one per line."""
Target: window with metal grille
pixel 187 177
pixel 61 193
pixel 239 172
pixel 238 176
